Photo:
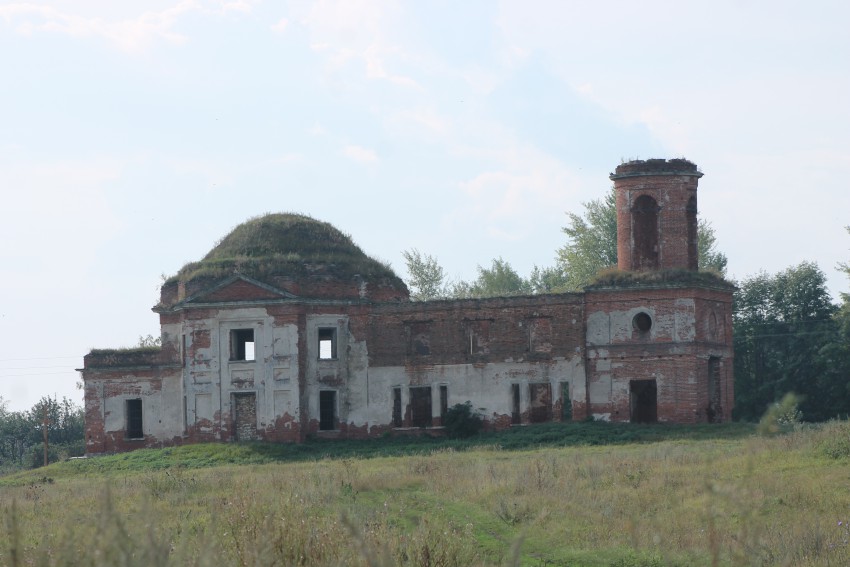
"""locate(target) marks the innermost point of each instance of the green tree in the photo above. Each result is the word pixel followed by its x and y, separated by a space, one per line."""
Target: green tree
pixel 836 353
pixel 592 244
pixel 21 433
pixel 546 280
pixel 784 325
pixel 708 256
pixel 845 267
pixel 499 280
pixel 426 278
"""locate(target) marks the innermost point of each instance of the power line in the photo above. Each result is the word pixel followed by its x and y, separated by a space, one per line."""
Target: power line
pixel 31 367
pixel 36 374
pixel 38 358
pixel 746 336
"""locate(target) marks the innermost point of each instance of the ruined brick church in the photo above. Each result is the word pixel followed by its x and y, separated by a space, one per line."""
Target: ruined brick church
pixel 286 329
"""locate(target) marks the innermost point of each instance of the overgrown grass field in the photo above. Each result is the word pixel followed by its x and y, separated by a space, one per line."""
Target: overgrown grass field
pixel 577 494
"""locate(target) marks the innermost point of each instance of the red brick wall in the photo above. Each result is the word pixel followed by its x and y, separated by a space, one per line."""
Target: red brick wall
pixel 519 329
pixel 673 354
pixel 673 185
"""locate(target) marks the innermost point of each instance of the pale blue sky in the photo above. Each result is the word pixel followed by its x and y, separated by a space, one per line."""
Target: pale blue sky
pixel 133 135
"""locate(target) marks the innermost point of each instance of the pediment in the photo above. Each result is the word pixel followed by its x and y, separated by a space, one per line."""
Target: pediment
pixel 238 288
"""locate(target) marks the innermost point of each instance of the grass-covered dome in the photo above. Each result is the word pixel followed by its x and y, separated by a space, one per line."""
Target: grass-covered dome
pixel 287 244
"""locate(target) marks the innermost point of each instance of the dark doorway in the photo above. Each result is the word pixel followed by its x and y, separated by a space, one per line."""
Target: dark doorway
pixel 540 402
pixel 327 410
pixel 245 416
pixel 134 419
pixel 420 407
pixel 397 407
pixel 516 417
pixel 643 401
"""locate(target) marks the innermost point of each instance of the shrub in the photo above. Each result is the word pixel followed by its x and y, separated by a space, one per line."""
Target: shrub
pixel 781 416
pixel 462 421
pixel 836 440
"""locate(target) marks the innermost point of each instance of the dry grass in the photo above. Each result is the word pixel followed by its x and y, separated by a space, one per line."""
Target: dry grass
pixel 751 501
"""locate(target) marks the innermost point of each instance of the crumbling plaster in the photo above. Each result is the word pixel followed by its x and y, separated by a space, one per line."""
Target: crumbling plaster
pixel 653 350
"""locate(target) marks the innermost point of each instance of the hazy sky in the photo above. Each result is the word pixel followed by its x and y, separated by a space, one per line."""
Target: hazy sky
pixel 134 135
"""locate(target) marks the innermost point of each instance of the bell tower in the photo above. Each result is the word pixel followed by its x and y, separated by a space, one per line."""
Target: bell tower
pixel 656 215
pixel 658 343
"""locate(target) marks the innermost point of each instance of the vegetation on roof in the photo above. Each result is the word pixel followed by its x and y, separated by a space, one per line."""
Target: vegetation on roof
pixel 621 278
pixel 286 244
pixel 126 350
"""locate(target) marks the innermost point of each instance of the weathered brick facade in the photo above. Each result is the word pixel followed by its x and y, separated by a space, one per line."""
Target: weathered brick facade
pixel 283 356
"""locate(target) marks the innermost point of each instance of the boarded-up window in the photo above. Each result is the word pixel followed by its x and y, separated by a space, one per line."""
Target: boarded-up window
pixel 540 335
pixel 419 343
pixel 420 406
pixel 245 416
pixel 327 410
pixel 134 419
pixel 540 402
pixel 283 403
pixel 203 407
pixel 478 334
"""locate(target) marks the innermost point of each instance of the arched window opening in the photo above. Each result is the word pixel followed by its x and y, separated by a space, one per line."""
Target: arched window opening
pixel 645 233
pixel 693 242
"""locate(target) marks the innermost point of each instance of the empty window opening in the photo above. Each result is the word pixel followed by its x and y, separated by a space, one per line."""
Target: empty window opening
pixel 327 410
pixel 516 416
pixel 645 233
pixel 420 406
pixel 642 322
pixel 327 343
pixel 134 419
pixel 693 242
pixel 540 402
pixel 566 402
pixel 715 412
pixel 444 401
pixel 242 344
pixel 643 401
pixel 397 421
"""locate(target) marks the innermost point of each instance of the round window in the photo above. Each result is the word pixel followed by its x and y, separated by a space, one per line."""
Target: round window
pixel 642 322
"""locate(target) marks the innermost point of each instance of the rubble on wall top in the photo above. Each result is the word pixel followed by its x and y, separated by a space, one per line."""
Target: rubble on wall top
pixel 638 167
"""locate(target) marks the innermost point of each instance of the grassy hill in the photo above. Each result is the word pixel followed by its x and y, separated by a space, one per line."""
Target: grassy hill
pixel 572 494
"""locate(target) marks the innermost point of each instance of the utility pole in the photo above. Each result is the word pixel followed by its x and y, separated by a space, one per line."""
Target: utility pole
pixel 44 423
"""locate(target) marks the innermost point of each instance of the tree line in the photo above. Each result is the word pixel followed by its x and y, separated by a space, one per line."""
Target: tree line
pixel 790 336
pixel 591 247
pixel 22 433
